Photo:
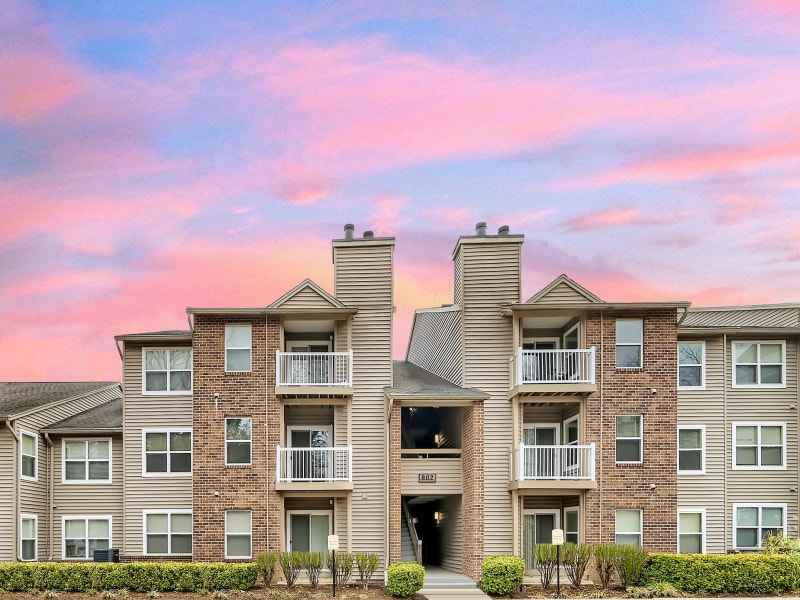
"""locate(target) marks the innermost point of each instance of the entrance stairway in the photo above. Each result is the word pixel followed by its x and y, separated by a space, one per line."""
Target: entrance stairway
pixel 407 546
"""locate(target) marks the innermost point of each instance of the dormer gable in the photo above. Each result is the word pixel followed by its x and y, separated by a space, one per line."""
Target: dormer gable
pixel 307 294
pixel 563 290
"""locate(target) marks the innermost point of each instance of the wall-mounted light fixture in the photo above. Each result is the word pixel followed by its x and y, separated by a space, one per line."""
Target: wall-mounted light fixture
pixel 439 516
pixel 437 438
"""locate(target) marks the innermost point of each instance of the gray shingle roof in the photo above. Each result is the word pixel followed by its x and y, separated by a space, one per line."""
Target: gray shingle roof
pixel 20 397
pixel 105 416
pixel 409 379
pixel 166 333
pixel 746 316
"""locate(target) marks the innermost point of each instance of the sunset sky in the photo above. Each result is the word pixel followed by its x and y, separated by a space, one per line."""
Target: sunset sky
pixel 157 155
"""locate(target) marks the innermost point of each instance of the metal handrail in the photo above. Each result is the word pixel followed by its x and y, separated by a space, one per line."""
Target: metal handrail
pixel 415 541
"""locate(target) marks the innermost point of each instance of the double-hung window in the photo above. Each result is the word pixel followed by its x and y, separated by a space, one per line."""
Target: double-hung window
pixel 571 525
pixel 167 452
pixel 629 344
pixel 238 348
pixel 691 365
pixel 754 522
pixel 691 449
pixel 28 536
pixel 629 439
pixel 759 364
pixel 238 533
pixel 759 446
pixel 167 371
pixel 238 438
pixel 691 531
pixel 168 532
pixel 81 536
pixel 628 527
pixel 86 461
pixel 29 455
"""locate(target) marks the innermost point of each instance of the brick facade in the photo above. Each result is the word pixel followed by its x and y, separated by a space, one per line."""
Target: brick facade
pixel 472 489
pixel 395 492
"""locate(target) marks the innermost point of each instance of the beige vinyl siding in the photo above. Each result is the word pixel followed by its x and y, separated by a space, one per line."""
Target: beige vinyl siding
pixel 450 534
pixel 7 445
pixel 737 317
pixel 364 280
pixel 447 471
pixel 435 343
pixel 562 294
pixel 491 274
pixel 307 298
pixel 88 499
pixel 458 280
pixel 148 412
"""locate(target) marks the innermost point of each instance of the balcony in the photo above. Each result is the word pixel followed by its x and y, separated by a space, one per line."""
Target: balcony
pixel 553 467
pixel 554 372
pixel 324 374
pixel 314 469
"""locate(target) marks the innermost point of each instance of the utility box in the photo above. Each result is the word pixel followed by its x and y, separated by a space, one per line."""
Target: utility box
pixel 107 555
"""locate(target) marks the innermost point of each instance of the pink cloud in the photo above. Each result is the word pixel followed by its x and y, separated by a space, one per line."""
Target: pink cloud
pixel 602 219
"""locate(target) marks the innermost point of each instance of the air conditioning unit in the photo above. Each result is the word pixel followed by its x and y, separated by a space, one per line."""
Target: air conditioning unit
pixel 106 555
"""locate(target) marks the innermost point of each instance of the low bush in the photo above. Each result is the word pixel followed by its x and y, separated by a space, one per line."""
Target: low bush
pixel 405 578
pixel 343 566
pixel 267 562
pixel 502 573
pixel 366 563
pixel 575 559
pixel 604 562
pixel 546 555
pixel 291 564
pixel 629 562
pixel 313 562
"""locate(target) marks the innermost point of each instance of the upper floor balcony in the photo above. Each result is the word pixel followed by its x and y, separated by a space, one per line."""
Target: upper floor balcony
pixel 553 467
pixel 553 372
pixel 314 469
pixel 314 373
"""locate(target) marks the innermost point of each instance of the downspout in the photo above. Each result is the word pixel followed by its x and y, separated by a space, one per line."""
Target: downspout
pixel 388 472
pixel 266 430
pixel 51 461
pixel 600 465
pixel 15 475
pixel 725 436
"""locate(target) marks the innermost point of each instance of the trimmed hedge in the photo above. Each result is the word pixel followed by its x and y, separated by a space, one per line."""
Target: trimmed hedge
pixel 502 573
pixel 725 574
pixel 404 578
pixel 138 577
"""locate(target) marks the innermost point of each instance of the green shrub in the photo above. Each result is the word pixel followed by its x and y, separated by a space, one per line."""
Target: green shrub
pixel 313 561
pixel 267 563
pixel 575 558
pixel 405 578
pixel 774 544
pixel 366 563
pixel 343 567
pixel 662 589
pixel 502 573
pixel 638 592
pixel 629 562
pixel 546 555
pixel 604 562
pixel 291 563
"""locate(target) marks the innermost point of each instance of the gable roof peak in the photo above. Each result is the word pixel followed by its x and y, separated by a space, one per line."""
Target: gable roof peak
pixel 306 285
pixel 570 286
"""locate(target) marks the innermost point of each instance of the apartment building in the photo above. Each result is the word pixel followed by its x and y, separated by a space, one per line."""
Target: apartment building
pixel 271 427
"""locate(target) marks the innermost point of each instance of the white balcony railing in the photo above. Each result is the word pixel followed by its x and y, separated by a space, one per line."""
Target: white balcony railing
pixel 333 369
pixel 314 464
pixel 558 463
pixel 553 366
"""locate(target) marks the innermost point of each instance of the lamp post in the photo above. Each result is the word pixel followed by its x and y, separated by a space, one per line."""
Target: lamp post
pixel 558 541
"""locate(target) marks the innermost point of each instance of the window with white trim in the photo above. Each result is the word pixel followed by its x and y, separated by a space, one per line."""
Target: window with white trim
pixel 628 527
pixel 691 531
pixel 81 536
pixel 691 449
pixel 29 525
pixel 238 438
pixel 691 365
pixel 167 452
pixel 759 446
pixel 167 371
pixel 168 532
pixel 29 455
pixel 86 461
pixel 238 533
pixel 754 522
pixel 629 344
pixel 629 439
pixel 571 525
pixel 238 348
pixel 759 364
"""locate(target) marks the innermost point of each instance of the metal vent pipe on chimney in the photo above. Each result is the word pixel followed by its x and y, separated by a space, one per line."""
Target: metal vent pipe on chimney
pixel 480 229
pixel 349 228
pixel 503 231
pixel 368 235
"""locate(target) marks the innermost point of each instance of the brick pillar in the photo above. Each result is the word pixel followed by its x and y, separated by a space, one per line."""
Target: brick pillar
pixel 395 485
pixel 472 449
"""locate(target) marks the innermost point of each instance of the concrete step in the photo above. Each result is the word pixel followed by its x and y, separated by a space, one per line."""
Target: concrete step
pixel 451 594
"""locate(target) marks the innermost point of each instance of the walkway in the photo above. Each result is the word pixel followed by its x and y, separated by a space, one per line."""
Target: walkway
pixel 441 584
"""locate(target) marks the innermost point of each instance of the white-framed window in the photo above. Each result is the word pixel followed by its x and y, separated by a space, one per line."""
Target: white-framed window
pixel 571 525
pixel 759 445
pixel 629 344
pixel 29 455
pixel 166 452
pixel 691 449
pixel 754 522
pixel 308 530
pixel 629 439
pixel 628 527
pixel 238 348
pixel 691 365
pixel 691 530
pixel 238 533
pixel 29 526
pixel 167 371
pixel 167 532
pixel 238 440
pixel 82 535
pixel 759 364
pixel 86 461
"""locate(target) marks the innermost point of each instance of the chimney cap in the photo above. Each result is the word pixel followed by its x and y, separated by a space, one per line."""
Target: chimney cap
pixel 348 231
pixel 368 235
pixel 480 228
pixel 503 231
